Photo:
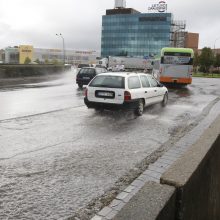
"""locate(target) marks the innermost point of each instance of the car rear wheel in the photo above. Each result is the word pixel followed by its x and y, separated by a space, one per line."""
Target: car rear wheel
pixel 80 85
pixel 165 100
pixel 140 109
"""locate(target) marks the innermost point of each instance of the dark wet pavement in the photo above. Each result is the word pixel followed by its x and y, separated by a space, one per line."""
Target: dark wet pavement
pixel 53 164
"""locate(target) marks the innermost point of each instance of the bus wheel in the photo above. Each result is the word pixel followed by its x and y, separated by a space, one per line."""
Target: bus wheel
pixel 165 100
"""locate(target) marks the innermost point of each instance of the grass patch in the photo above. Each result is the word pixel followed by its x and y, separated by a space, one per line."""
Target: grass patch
pixel 207 75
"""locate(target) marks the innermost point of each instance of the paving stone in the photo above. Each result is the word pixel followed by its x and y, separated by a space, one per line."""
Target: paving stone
pixel 127 198
pixel 96 217
pixel 111 215
pixel 161 165
pixel 152 174
pixel 161 160
pixel 172 154
pixel 166 157
pixel 174 151
pixel 114 203
pixel 138 183
pixel 129 189
pixel 135 190
pixel 119 206
pixel 105 211
pixel 156 168
pixel 122 195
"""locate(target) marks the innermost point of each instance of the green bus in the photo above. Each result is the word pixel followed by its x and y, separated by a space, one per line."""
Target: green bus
pixel 174 66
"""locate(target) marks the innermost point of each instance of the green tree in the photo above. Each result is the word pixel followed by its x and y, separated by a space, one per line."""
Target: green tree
pixel 206 59
pixel 217 60
pixel 217 63
pixel 55 62
pixel 27 60
pixel 37 61
pixel 195 62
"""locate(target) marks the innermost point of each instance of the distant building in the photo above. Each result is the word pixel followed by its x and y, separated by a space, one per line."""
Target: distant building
pixel 216 51
pixel 71 56
pixel 18 55
pixel 2 56
pixel 192 41
pixel 127 32
pixel 25 52
pixel 186 40
pixel 11 55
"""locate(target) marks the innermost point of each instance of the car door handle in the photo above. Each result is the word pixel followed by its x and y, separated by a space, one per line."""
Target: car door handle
pixel 155 90
pixel 145 91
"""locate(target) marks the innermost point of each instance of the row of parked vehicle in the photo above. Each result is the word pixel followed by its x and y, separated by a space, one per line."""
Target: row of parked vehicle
pixel 120 90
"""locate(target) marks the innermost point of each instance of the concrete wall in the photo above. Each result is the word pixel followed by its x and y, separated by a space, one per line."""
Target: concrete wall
pixel 153 201
pixel 196 176
pixel 188 190
pixel 14 71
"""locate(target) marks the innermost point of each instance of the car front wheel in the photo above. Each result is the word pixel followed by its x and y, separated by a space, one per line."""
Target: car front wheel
pixel 140 109
pixel 165 100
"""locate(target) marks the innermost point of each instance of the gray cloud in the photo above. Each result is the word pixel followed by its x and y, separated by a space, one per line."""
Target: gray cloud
pixel 37 21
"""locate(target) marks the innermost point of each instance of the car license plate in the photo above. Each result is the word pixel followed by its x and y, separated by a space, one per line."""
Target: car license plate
pixel 106 94
pixel 86 77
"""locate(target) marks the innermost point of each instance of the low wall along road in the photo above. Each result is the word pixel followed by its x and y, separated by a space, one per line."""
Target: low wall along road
pixel 15 71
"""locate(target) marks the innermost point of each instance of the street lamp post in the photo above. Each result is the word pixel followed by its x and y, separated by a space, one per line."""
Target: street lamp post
pixel 64 55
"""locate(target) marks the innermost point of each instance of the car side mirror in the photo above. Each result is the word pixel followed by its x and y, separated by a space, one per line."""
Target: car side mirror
pixel 160 85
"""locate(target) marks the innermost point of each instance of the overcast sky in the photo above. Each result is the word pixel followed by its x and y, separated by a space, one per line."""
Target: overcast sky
pixel 36 22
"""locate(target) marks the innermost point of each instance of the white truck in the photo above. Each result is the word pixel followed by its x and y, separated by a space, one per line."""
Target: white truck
pixel 114 63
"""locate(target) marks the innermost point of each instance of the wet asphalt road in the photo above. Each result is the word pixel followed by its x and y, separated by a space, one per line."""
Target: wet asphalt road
pixel 61 155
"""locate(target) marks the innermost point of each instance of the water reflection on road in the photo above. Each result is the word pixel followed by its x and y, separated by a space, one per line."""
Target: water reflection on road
pixel 34 98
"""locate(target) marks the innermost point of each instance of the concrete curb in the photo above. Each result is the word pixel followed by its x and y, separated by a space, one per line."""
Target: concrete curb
pixel 155 170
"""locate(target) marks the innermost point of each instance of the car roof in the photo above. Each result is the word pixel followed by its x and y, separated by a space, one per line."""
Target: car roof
pixel 88 67
pixel 92 67
pixel 124 74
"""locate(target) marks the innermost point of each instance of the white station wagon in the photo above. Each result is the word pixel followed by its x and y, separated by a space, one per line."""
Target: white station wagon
pixel 125 91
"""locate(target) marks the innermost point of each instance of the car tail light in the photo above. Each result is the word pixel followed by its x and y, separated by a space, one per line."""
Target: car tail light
pixel 127 96
pixel 86 92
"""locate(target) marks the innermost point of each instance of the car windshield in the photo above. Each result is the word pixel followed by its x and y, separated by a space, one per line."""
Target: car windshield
pixel 87 71
pixel 108 82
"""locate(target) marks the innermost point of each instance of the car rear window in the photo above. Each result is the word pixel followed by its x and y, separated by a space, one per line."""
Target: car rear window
pixel 83 65
pixel 108 82
pixel 87 71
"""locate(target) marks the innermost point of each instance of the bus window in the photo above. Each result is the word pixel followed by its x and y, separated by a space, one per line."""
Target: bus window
pixel 178 60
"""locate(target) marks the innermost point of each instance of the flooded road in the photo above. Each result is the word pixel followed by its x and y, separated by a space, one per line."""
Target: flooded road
pixel 34 98
pixel 61 155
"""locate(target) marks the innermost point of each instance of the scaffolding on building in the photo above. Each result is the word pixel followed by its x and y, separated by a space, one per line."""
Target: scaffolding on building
pixel 178 33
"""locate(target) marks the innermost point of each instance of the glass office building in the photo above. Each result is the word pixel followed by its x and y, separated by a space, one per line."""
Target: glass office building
pixel 127 32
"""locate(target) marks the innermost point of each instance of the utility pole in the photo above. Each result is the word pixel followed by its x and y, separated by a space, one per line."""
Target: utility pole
pixel 64 54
